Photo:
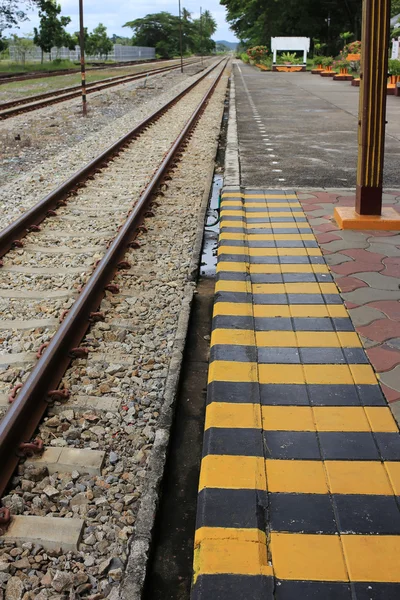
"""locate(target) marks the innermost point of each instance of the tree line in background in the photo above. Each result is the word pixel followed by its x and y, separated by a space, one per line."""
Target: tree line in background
pixel 162 32
pixel 256 21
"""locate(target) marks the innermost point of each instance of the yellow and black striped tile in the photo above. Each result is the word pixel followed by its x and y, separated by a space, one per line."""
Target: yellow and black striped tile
pixel 300 477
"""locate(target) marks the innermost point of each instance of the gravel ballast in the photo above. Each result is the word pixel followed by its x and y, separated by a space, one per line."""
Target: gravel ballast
pixel 55 141
pixel 130 360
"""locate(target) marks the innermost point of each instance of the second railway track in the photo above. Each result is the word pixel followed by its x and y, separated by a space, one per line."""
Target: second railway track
pixel 18 106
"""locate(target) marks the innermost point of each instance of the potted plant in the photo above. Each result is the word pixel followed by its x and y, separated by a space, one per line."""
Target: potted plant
pixel 394 70
pixel 287 58
pixel 257 53
pixel 353 50
pixel 317 64
pixel 342 64
pixel 327 63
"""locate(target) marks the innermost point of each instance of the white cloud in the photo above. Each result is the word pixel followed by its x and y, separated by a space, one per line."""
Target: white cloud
pixel 98 11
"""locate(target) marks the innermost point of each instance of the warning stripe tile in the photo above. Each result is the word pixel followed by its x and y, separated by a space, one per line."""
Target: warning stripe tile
pixel 245 251
pixel 267 225
pixel 305 339
pixel 279 310
pixel 300 418
pixel 266 215
pixel 267 269
pixel 234 472
pixel 299 440
pixel 230 550
pixel 261 196
pixel 264 237
pixel 221 370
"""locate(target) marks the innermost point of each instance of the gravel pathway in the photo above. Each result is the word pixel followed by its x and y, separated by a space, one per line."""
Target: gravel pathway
pixel 129 361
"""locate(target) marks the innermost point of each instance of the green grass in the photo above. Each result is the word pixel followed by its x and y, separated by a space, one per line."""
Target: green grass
pixel 9 67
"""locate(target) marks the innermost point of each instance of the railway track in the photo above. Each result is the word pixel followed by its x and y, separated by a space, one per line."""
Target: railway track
pixel 59 261
pixel 31 103
pixel 12 77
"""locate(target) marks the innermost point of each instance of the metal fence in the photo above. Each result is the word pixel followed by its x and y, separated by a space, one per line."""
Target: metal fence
pixel 119 53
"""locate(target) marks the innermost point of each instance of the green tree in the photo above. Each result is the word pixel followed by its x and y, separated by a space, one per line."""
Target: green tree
pixel 51 30
pixel 99 42
pixel 395 8
pixel 206 26
pixel 10 14
pixel 256 21
pixel 161 31
pixel 22 46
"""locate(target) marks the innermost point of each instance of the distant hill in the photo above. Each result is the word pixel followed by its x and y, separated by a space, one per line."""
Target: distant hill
pixel 229 45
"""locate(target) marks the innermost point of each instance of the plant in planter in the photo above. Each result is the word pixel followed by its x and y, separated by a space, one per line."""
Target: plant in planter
pixel 257 53
pixel 394 70
pixel 327 62
pixel 353 48
pixel 317 61
pixel 341 64
pixel 287 58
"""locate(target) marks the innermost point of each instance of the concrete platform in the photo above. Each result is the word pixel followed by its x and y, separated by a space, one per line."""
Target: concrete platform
pixel 300 130
pixel 300 478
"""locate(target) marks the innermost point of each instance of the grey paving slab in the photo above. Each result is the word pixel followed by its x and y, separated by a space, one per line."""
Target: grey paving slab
pixel 366 295
pixel 363 315
pixel 320 212
pixel 389 239
pixel 385 249
pixel 378 281
pixel 391 378
pixel 336 259
pixel 395 407
pixel 352 236
pixel 337 245
pixel 317 221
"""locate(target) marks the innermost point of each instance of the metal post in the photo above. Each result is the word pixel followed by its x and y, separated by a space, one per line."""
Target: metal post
pixel 372 107
pixel 201 36
pixel 82 46
pixel 180 35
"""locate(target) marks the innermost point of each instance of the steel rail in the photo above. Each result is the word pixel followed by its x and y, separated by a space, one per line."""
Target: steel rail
pixel 24 415
pixel 72 88
pixel 37 213
pixel 12 77
pixel 28 104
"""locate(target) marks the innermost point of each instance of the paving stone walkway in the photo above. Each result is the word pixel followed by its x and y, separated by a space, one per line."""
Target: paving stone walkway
pixel 366 268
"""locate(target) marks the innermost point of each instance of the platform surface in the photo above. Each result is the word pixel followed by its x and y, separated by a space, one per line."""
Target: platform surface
pixel 300 130
pixel 300 477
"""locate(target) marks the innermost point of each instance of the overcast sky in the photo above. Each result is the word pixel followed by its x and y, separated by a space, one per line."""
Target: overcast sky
pixel 114 13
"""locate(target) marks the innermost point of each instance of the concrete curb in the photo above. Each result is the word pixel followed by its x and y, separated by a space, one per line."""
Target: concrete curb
pixel 140 547
pixel 232 162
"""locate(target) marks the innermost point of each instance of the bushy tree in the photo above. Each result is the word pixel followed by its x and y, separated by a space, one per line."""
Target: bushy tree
pixel 22 46
pixel 10 14
pixel 395 8
pixel 256 21
pixel 98 41
pixel 161 31
pixel 51 30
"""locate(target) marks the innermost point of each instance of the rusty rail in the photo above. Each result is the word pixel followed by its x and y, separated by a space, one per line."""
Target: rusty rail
pixel 24 415
pixel 33 216
pixel 30 103
pixel 11 77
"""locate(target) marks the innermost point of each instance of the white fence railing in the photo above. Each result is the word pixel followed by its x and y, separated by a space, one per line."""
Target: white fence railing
pixel 119 53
